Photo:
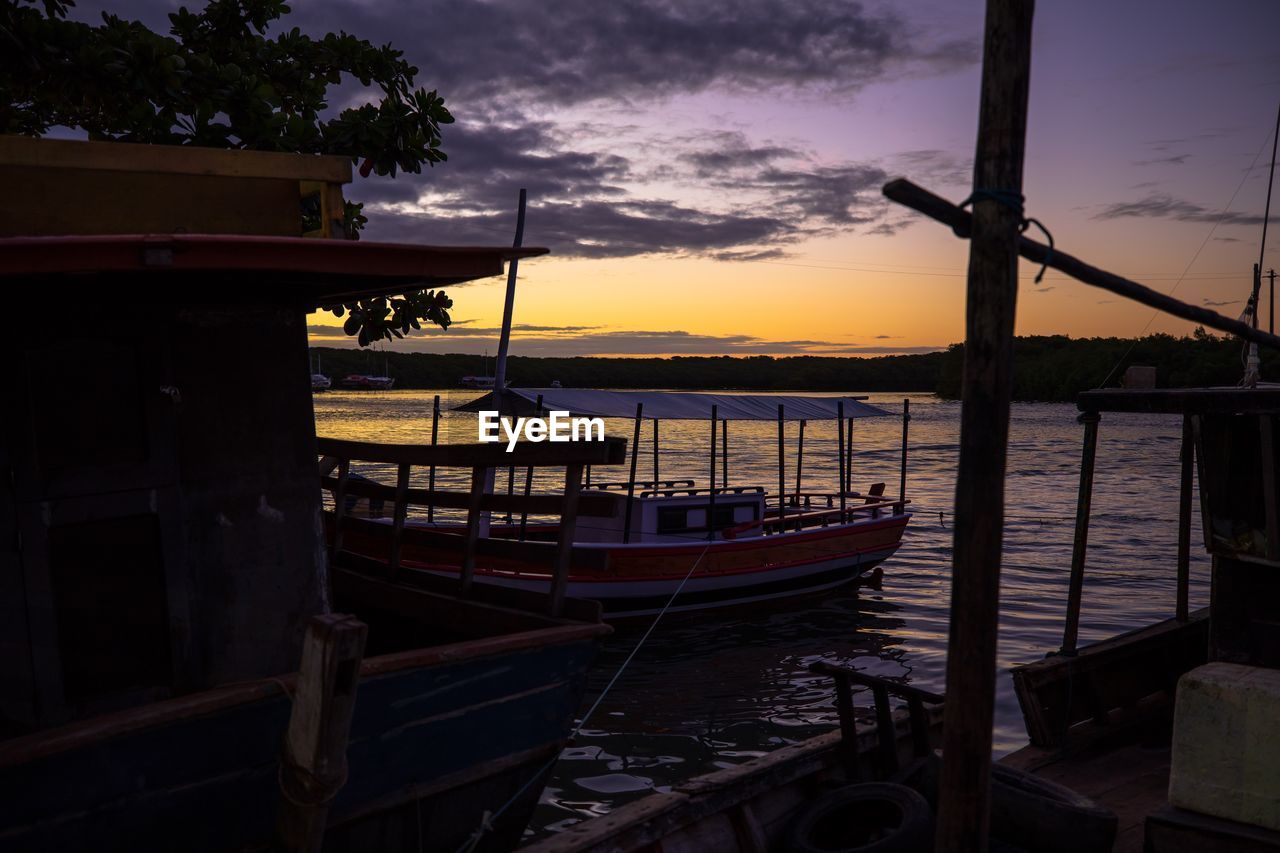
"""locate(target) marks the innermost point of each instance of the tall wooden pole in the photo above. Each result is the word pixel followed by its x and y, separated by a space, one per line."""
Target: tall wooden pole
pixel 964 793
pixel 711 493
pixel 840 457
pixel 724 452
pixel 800 459
pixel 656 480
pixel 782 470
pixel 431 473
pixel 902 476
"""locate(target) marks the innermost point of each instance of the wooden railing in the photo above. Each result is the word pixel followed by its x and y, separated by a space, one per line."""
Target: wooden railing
pixel 886 730
pixel 479 459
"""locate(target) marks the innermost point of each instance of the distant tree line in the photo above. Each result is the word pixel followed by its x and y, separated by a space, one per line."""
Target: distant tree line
pixel 1046 368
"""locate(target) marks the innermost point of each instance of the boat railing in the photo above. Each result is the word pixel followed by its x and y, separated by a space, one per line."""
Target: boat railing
pixel 886 730
pixel 466 544
pixel 801 515
pixel 692 492
pixel 640 484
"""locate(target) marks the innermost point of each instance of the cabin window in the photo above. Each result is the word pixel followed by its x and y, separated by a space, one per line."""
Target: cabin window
pixel 111 606
pixel 682 519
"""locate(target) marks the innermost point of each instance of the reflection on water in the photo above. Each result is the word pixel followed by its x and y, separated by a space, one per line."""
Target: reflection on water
pixel 710 691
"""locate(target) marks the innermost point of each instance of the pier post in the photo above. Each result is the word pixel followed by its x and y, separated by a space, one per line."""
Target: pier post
pixel 800 459
pixel 724 453
pixel 1079 549
pixel 1181 610
pixel 656 478
pixel 965 786
pixel 528 481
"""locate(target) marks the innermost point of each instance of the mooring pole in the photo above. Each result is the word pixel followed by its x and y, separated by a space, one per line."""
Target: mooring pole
pixel 631 481
pixel 840 456
pixel 1080 546
pixel 782 471
pixel 964 790
pixel 711 494
pixel 1182 610
pixel 800 458
pixel 902 477
pixel 431 472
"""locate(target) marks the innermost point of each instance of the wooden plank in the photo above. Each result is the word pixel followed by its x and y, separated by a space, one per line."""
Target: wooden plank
pixel 987 385
pixel 313 765
pixel 1177 401
pixel 37 153
pixel 611 451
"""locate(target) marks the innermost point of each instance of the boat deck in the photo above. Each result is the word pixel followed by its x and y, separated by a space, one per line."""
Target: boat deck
pixel 1131 780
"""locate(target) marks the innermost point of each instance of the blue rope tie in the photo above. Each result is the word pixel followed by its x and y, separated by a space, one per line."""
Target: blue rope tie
pixel 1014 201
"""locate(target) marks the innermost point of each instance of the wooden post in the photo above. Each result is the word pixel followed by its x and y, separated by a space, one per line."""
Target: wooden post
pixel 631 481
pixel 431 472
pixel 313 762
pixel 711 493
pixel 840 458
pixel 800 459
pixel 902 478
pixel 339 506
pixel 564 541
pixel 1182 609
pixel 399 516
pixel 964 789
pixel 479 485
pixel 1079 549
pixel 782 471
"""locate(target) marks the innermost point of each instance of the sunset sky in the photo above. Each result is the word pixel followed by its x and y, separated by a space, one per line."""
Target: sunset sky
pixel 707 173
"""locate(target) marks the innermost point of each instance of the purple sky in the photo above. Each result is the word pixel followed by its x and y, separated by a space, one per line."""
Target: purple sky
pixel 708 173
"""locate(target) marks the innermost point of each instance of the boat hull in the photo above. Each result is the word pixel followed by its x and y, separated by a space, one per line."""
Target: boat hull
pixel 639 580
pixel 200 773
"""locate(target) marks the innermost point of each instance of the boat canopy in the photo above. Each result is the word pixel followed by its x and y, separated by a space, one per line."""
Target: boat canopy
pixel 673 405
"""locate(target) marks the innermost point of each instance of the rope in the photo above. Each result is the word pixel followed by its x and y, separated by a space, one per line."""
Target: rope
pixel 486 821
pixel 1014 201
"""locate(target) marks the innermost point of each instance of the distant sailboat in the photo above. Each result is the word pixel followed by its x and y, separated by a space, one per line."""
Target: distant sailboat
pixel 320 382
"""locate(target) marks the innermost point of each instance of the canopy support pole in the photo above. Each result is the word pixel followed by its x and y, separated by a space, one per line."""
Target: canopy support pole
pixel 711 494
pixel 528 481
pixel 431 472
pixel 848 456
pixel 965 786
pixel 800 459
pixel 631 481
pixel 902 477
pixel 782 470
pixel 656 479
pixel 724 452
pixel 840 458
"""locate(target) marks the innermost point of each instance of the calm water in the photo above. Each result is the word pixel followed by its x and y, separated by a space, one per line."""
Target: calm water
pixel 707 692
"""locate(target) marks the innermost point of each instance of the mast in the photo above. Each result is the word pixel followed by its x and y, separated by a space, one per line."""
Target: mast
pixel 500 369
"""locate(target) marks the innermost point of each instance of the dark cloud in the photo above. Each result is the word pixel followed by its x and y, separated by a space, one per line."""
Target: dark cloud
pixel 1173 160
pixel 1160 206
pixel 575 51
pixel 579 208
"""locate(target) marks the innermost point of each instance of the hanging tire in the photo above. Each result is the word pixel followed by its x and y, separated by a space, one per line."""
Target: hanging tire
pixel 873 817
pixel 1040 815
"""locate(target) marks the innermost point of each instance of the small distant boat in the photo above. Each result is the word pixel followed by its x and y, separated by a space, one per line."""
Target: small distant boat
pixel 320 382
pixel 483 383
pixel 364 382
